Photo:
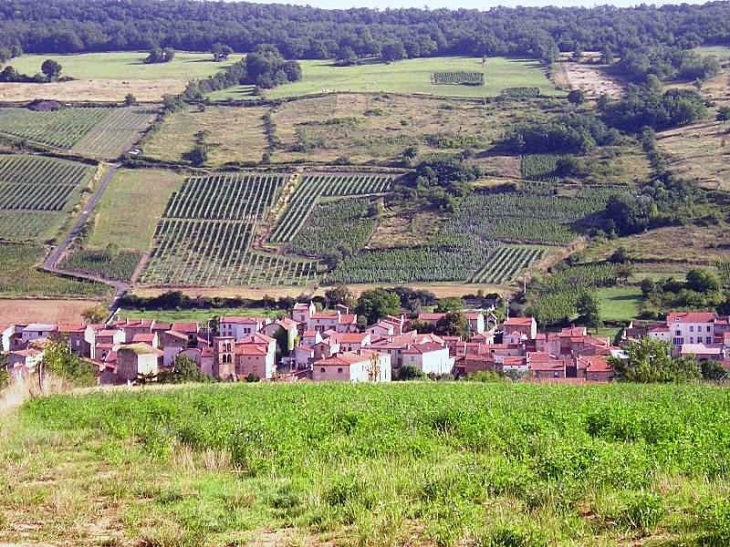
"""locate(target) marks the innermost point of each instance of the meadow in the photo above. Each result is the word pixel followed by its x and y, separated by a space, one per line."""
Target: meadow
pixel 202 316
pixel 126 65
pixel 409 76
pixel 416 463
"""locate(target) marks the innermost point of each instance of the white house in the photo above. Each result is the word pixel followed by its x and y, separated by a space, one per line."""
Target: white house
pixel 430 358
pixel 691 327
pixel 241 327
pixel 34 331
pixel 355 367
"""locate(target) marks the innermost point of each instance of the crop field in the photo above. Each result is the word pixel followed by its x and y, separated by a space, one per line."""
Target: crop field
pixel 19 276
pixel 539 166
pixel 312 187
pixel 35 191
pixel 538 213
pixel 409 76
pixel 98 132
pixel 344 223
pixel 205 236
pixel 507 263
pixel 110 265
pixel 457 78
pixel 412 463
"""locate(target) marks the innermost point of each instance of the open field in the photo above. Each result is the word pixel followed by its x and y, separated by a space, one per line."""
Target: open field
pixel 37 193
pixel 619 303
pixel 416 464
pixel 81 91
pixel 700 151
pixel 232 135
pixel 201 316
pixel 20 278
pixel 28 311
pixel 131 206
pixel 409 76
pixel 592 79
pixel 96 132
pixel 721 52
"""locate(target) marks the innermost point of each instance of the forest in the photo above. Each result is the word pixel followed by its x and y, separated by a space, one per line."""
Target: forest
pixel 302 32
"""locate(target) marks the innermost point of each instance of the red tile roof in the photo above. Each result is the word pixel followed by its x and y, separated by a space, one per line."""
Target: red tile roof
pixel 519 321
pixel 144 337
pixel 596 364
pixel 430 316
pixel 251 349
pixel 691 317
pixel 186 328
pixel 428 347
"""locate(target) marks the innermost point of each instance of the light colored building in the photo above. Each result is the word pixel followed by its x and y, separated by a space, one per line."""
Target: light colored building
pixel 241 327
pixel 430 358
pixel 691 327
pixel 525 326
pixel 134 360
pixel 355 367
pixel 23 362
pixel 256 359
pixel 34 331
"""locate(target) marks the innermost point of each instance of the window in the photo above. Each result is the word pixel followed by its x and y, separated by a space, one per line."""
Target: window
pixel 322 370
pixel 691 339
pixel 678 332
pixel 339 370
pixel 678 341
pixel 708 340
pixel 709 328
pixel 691 328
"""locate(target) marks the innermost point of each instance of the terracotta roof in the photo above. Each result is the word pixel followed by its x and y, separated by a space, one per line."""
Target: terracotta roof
pixel 107 332
pixel 325 315
pixel 573 332
pixel 350 337
pixel 251 349
pixel 30 352
pixel 68 327
pixel 519 321
pixel 691 317
pixel 514 361
pixel 428 347
pixel 144 337
pixel 287 323
pixel 430 316
pixel 176 334
pixel 257 338
pixel 301 306
pixel 187 328
pixel 348 318
pixel 159 325
pixel 241 320
pixel 346 358
pixel 596 364
pixel 660 328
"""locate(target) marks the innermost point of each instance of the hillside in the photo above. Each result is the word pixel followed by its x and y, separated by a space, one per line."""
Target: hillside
pixel 445 463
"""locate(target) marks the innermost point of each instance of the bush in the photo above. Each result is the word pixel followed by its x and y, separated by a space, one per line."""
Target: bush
pixel 409 372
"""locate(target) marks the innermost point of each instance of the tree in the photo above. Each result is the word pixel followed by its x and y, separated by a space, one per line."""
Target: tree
pixel 409 372
pixel 576 96
pixel 168 54
pixel 346 57
pixel 619 256
pixel 221 52
pixel 723 114
pixel 4 374
pixel 649 361
pixel 607 57
pixel 198 155
pixel 702 281
pixel 282 342
pixel 184 370
pixel 52 69
pixel 453 324
pixel 61 362
pixel 95 314
pixel 589 310
pixel 393 51
pixel 377 303
pixel 129 99
pixel 714 371
pixel 340 294
pixel 449 304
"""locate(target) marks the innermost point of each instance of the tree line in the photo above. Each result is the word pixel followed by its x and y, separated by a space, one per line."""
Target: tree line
pixel 72 26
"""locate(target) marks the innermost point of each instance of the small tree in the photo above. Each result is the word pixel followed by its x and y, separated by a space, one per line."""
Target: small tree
pixel 221 52
pixel 95 314
pixel 183 371
pixel 409 372
pixel 60 361
pixel 576 96
pixel 589 310
pixel 52 69
pixel 340 294
pixel 649 361
pixel 723 114
pixel 449 304
pixel 198 155
pixel 453 324
pixel 129 99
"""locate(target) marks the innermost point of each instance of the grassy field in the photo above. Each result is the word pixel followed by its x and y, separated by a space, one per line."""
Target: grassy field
pixel 410 76
pixel 619 303
pixel 415 464
pixel 232 134
pixel 201 316
pixel 126 65
pixel 721 52
pixel 131 206
pixel 20 278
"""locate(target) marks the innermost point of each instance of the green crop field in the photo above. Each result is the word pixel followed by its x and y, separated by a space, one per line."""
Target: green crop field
pixel 410 76
pixel 36 193
pixel 619 303
pixel 202 316
pixel 205 236
pixel 413 463
pixel 126 65
pixel 96 132
pixel 102 262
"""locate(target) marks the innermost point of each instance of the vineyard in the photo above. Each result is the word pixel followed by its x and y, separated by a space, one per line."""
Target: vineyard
pixel 34 191
pixel 537 213
pixel 506 264
pixel 102 132
pixel 540 167
pixel 205 237
pixel 345 224
pixel 111 265
pixel 457 78
pixel 312 187
pixel 554 298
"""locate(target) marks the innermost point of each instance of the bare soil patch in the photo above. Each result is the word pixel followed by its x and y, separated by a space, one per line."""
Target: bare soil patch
pixel 91 90
pixel 592 79
pixel 25 311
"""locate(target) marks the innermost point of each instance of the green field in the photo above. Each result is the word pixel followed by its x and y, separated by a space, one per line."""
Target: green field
pixel 619 303
pixel 721 52
pixel 131 206
pixel 201 316
pixel 410 76
pixel 126 65
pixel 405 464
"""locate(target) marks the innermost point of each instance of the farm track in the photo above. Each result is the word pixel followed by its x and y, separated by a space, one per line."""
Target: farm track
pixel 52 260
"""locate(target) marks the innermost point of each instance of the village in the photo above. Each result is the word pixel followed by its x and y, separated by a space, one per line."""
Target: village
pixel 328 345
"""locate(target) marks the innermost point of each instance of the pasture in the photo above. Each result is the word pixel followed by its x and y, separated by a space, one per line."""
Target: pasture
pixel 414 463
pixel 202 316
pixel 37 193
pixel 619 303
pixel 408 76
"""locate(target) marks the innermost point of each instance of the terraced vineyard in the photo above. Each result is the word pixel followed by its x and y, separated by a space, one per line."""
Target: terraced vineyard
pixel 538 213
pixel 205 236
pixel 36 191
pixel 99 132
pixel 313 187
pixel 457 78
pixel 507 263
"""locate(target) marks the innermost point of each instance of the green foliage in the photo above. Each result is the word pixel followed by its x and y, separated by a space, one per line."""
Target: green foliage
pixel 95 314
pixel 450 304
pixel 184 370
pixel 103 262
pixel 377 303
pixel 4 374
pixel 52 69
pixel 723 114
pixel 453 324
pixel 641 108
pixel 588 309
pixel 61 362
pixel 571 133
pixel 576 96
pixel 486 377
pixel 457 78
pixel 649 361
pixel 540 166
pixel 409 373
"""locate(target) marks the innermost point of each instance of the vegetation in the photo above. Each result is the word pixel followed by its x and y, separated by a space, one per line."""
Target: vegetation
pixel 649 361
pixel 110 263
pixel 60 362
pixel 571 133
pixel 495 463
pixel 183 371
pixel 642 107
pixel 457 78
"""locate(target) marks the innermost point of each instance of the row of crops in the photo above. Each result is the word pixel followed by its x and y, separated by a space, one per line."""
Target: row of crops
pixel 457 78
pixel 344 224
pixel 554 298
pixel 540 166
pixel 225 197
pixel 312 187
pixel 507 263
pixel 99 132
pixel 111 265
pixel 34 191
pixel 537 213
